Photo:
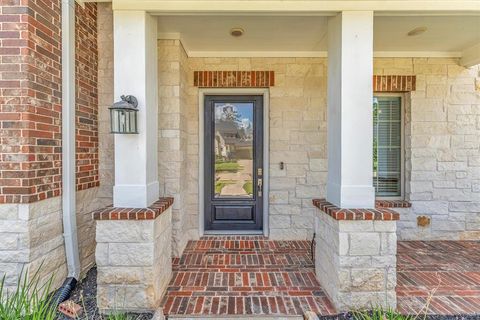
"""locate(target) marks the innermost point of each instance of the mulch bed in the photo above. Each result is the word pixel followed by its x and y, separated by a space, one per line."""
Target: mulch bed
pixel 85 294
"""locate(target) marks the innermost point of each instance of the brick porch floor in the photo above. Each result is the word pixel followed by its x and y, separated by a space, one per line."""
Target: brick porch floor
pixel 245 275
pixel 252 275
pixel 448 269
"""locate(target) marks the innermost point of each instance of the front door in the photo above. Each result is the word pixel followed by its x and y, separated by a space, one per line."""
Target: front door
pixel 233 163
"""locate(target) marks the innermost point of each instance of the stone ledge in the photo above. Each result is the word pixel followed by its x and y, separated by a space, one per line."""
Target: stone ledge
pixel 150 213
pixel 355 214
pixel 379 204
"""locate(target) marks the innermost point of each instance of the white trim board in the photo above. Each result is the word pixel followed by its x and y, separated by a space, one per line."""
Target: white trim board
pixel 266 152
pixel 295 6
pixel 318 54
pixel 300 54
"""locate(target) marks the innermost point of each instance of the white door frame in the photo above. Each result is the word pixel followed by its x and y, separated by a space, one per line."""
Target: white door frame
pixel 266 148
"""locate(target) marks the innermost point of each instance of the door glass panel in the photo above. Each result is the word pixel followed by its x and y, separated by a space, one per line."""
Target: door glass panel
pixel 233 148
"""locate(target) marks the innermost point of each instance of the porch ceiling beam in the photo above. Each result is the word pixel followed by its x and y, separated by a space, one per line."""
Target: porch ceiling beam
pixel 296 6
pixel 471 56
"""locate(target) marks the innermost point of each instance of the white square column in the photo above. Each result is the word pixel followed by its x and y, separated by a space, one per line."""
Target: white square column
pixel 350 114
pixel 135 68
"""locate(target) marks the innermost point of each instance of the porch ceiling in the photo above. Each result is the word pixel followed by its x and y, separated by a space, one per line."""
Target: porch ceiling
pixel 208 35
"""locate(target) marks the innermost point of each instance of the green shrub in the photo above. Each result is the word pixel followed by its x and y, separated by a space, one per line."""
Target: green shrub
pixel 227 167
pixel 248 187
pixel 222 183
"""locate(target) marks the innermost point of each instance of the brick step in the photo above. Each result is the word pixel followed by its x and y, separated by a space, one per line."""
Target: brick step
pixel 250 276
pixel 236 260
pixel 252 305
pixel 244 279
pixel 246 246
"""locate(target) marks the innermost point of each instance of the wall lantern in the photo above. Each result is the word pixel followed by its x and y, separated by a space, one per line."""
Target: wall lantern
pixel 123 115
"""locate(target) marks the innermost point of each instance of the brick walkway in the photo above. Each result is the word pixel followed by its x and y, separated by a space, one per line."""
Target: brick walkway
pixel 252 275
pixel 245 275
pixel 450 270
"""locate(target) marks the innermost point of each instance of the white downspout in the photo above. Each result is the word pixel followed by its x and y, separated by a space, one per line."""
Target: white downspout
pixel 68 139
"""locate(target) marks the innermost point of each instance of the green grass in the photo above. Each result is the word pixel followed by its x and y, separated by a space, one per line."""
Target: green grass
pixel 119 316
pixel 222 183
pixel 227 166
pixel 248 187
pixel 33 300
pixel 30 300
pixel 380 314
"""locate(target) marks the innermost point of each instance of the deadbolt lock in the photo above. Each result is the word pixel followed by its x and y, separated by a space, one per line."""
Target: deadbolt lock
pixel 259 172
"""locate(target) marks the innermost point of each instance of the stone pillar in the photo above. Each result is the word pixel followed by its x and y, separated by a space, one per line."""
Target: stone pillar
pixel 350 115
pixel 136 165
pixel 355 256
pixel 133 257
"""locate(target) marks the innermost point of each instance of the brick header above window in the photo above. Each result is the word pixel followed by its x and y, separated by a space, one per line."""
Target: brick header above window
pixel 234 79
pixel 392 83
pixel 265 79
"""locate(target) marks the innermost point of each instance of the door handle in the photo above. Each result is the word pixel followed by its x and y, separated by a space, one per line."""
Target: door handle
pixel 260 186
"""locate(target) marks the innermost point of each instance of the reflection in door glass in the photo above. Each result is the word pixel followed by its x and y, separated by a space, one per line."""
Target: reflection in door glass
pixel 233 147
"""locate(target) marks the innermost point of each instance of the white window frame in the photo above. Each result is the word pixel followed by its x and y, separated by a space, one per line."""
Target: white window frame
pixel 402 143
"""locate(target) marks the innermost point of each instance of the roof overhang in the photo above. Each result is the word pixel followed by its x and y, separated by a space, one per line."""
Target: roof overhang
pixel 295 6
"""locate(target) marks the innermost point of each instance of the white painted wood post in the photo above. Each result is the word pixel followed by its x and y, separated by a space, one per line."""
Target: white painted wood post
pixel 136 164
pixel 350 115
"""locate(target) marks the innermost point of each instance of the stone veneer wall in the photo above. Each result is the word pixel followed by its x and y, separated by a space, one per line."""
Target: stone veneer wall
pixel 442 140
pixel 297 137
pixel 172 134
pixel 31 235
pixel 106 152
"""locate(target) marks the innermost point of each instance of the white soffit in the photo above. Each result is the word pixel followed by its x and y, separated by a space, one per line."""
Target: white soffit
pixel 305 36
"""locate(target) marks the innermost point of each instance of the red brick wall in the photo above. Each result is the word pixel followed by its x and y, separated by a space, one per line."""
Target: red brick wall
pixel 87 96
pixel 30 100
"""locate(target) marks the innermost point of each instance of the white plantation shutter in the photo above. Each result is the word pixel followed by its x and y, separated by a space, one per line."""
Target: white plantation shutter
pixel 387 146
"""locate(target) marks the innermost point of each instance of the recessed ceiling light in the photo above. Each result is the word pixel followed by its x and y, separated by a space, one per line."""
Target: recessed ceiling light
pixel 416 31
pixel 236 32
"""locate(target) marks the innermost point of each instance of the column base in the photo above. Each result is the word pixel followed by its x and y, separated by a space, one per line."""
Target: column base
pixel 355 256
pixel 135 196
pixel 351 196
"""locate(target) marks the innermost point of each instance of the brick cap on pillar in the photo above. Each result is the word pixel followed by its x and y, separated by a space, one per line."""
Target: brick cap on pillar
pixel 150 213
pixel 381 214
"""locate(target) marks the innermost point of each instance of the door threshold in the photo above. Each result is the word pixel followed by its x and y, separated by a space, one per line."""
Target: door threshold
pixel 233 232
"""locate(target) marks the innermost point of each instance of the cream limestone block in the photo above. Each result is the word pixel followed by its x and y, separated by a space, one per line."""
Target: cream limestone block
pixel 367 280
pixel 8 211
pixel 364 244
pixel 124 231
pixel 130 254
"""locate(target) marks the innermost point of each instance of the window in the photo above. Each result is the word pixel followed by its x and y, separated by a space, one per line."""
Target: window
pixel 387 147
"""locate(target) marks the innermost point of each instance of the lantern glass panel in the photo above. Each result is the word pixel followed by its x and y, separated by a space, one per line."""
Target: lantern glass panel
pixel 123 121
pixel 133 122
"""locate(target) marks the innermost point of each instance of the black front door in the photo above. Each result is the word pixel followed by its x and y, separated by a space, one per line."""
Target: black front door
pixel 233 163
